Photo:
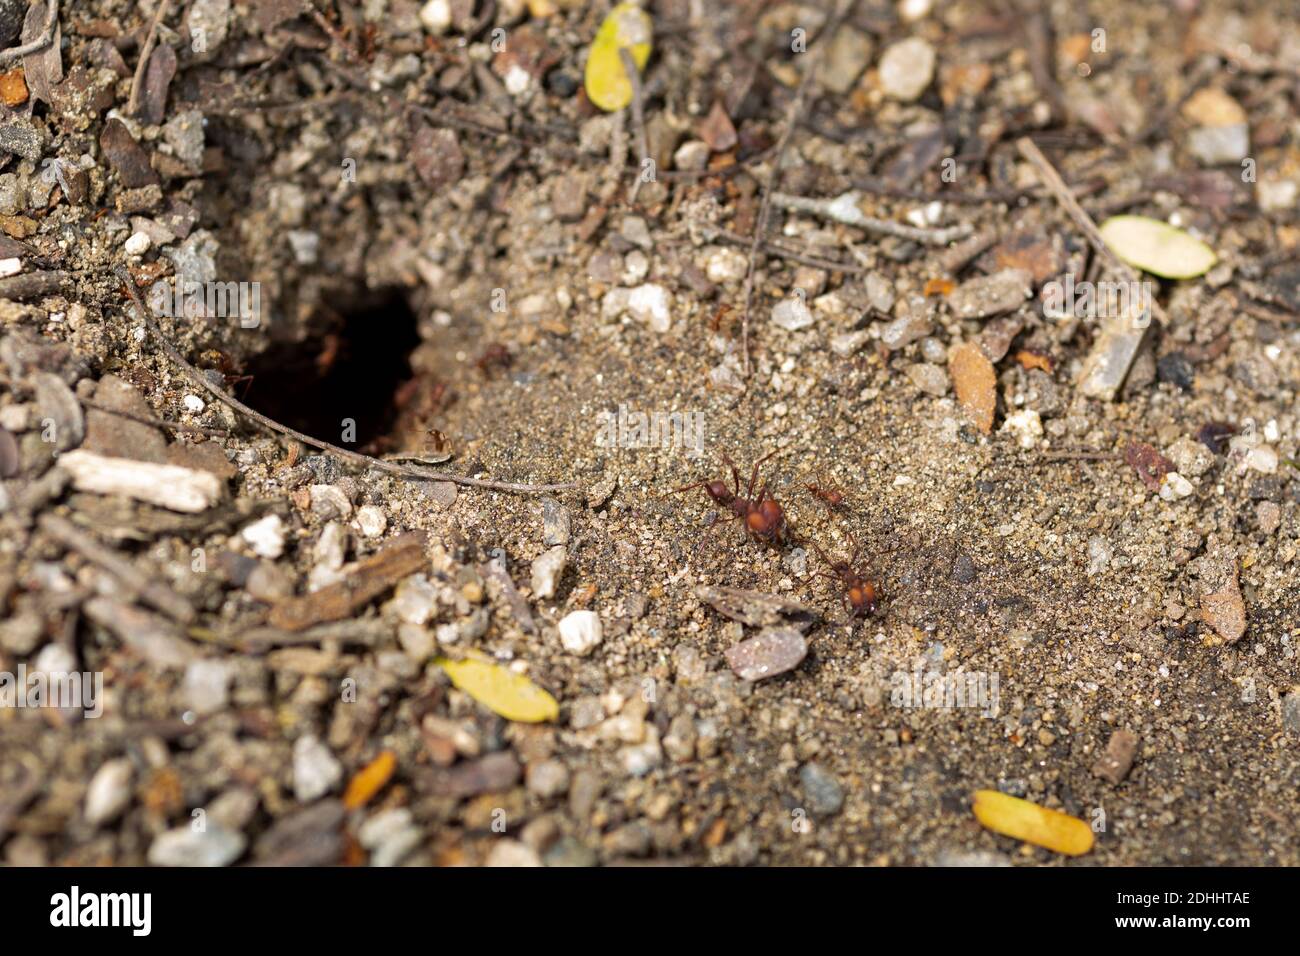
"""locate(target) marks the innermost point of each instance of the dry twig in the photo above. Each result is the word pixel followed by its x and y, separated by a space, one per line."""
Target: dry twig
pixel 150 40
pixel 41 42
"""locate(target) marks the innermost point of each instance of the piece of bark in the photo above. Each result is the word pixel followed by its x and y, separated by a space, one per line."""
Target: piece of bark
pixel 1115 763
pixel 168 486
pixel 129 158
pixel 370 578
pixel 976 384
pixel 157 80
pixel 44 68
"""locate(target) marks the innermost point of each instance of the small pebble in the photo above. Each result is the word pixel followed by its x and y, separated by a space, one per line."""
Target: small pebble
pixel 906 69
pixel 547 569
pixel 265 537
pixel 771 652
pixel 184 846
pixel 371 520
pixel 792 314
pixel 581 632
pixel 109 792
pixel 821 789
pixel 137 244
pixel 315 770
pixel 549 778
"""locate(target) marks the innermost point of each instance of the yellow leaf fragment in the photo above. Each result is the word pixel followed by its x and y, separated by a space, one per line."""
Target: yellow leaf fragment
pixel 1027 821
pixel 501 690
pixel 1157 247
pixel 627 27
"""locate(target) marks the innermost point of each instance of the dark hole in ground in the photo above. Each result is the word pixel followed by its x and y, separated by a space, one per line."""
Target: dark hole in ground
pixel 353 371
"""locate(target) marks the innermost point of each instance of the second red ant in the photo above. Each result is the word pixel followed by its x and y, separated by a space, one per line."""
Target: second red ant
pixel 861 595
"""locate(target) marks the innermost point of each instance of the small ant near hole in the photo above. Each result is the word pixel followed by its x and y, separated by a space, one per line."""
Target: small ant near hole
pixel 829 495
pixel 495 356
pixel 861 595
pixel 764 518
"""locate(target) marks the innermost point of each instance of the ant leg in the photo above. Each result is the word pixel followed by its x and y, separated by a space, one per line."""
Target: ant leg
pixel 698 484
pixel 753 475
pixel 735 472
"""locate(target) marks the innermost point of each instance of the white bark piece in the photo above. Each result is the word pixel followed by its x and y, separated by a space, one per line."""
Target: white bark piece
pixel 168 486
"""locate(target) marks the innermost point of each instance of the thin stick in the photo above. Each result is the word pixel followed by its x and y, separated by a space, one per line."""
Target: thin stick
pixel 1081 456
pixel 1053 181
pixel 152 590
pixel 780 251
pixel 844 208
pixel 157 422
pixel 151 38
pixel 334 33
pixel 765 207
pixel 41 42
pixel 356 458
pixel 638 114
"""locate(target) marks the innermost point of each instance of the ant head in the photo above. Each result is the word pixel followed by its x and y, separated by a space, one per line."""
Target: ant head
pixel 718 491
pixel 864 598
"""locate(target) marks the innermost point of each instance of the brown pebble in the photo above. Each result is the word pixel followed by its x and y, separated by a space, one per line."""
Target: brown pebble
pixel 1114 765
pixel 1224 610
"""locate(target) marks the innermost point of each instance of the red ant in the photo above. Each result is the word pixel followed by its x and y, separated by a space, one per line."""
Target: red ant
pixel 764 518
pixel 494 356
pixel 830 496
pixel 861 595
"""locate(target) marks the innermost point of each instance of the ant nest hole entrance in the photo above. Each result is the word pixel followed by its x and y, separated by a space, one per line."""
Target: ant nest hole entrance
pixel 353 381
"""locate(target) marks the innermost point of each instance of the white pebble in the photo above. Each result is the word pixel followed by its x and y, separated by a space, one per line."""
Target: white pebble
pixel 194 404
pixel 792 314
pixel 907 68
pixel 581 632
pixel 265 537
pixel 1026 426
pixel 371 521
pixel 652 304
pixel 315 770
pixel 1174 486
pixel 436 16
pixel 138 244
pixel 109 791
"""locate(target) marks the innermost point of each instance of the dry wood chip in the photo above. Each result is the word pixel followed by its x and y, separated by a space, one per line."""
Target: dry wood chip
pixel 976 384
pixel 372 576
pixel 157 80
pixel 1114 764
pixel 129 158
pixel 9 457
pixel 44 68
pixel 774 651
pixel 490 774
pixel 168 486
pixel 155 639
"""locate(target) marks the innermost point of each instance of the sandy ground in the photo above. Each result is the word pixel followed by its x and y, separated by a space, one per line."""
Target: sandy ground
pixel 1074 593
